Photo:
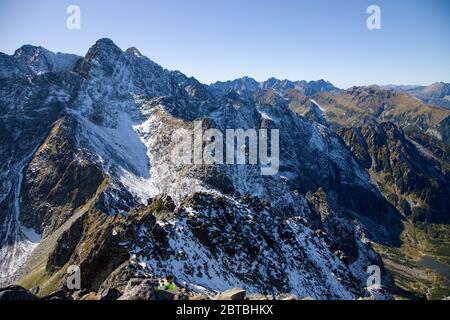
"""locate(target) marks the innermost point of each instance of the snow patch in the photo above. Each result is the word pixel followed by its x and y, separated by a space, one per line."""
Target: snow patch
pixel 31 235
pixel 317 105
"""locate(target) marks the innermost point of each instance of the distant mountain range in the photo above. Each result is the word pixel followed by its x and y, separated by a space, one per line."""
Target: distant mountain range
pixel 437 93
pixel 87 179
pixel 247 84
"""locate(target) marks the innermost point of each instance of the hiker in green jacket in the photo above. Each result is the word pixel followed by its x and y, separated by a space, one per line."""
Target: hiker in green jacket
pixel 168 284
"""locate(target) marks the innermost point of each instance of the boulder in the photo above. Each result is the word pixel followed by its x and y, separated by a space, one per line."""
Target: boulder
pixel 198 297
pixel 90 296
pixel 231 294
pixel 286 296
pixel 35 290
pixel 62 294
pixel 171 295
pixel 257 296
pixel 137 289
pixel 109 294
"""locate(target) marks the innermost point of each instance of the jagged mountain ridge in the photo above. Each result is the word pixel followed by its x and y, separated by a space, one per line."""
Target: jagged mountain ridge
pixel 116 110
pixel 247 84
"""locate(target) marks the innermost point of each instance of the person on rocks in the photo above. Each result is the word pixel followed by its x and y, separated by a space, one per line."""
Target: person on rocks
pixel 168 284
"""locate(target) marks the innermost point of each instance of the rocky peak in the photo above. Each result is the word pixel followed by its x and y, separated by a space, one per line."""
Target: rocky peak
pixel 34 61
pixel 104 55
pixel 28 51
pixel 134 51
pixel 241 85
pixel 313 87
pixel 272 82
pixel 103 48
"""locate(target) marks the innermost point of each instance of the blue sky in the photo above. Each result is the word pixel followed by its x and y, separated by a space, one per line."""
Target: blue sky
pixel 226 39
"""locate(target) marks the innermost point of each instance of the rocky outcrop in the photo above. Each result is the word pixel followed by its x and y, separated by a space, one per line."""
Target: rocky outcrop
pixel 140 290
pixel 333 227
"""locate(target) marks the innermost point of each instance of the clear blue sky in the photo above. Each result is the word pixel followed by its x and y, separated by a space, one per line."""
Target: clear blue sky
pixel 225 39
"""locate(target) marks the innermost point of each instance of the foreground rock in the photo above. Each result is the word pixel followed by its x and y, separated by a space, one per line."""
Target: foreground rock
pixel 231 294
pixel 110 294
pixel 148 289
pixel 16 293
pixel 139 290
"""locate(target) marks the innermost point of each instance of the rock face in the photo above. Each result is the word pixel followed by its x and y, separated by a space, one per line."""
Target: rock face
pixel 413 179
pixel 88 180
pixel 57 181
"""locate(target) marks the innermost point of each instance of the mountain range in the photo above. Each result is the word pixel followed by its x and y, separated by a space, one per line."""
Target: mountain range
pixel 437 93
pixel 87 179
